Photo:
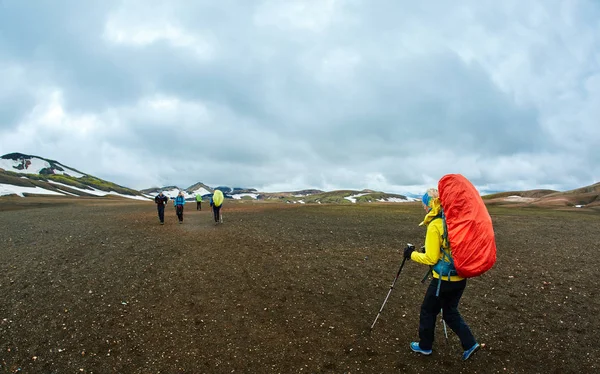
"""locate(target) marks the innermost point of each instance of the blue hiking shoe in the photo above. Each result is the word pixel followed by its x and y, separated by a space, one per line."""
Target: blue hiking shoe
pixel 469 352
pixel 416 348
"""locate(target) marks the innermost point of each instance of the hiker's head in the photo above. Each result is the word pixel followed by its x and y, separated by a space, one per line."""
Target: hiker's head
pixel 180 193
pixel 428 198
pixel 160 193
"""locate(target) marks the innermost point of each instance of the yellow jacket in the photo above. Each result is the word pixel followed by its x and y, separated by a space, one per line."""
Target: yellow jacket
pixel 433 241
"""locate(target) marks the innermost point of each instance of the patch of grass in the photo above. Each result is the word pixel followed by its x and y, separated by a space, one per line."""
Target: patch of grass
pixel 85 182
pixel 106 186
pixel 374 196
pixel 71 181
pixel 334 197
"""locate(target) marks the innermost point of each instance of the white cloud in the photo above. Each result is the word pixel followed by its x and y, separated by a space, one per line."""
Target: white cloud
pixel 127 27
pixel 298 15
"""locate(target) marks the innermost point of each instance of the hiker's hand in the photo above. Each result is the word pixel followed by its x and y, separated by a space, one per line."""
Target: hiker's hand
pixel 408 251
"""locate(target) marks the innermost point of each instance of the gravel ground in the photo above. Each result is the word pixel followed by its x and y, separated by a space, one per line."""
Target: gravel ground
pixel 98 286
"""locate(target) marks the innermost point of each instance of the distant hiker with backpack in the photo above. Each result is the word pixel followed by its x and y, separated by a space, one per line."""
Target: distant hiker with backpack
pixel 198 201
pixel 179 203
pixel 216 202
pixel 455 249
pixel 160 200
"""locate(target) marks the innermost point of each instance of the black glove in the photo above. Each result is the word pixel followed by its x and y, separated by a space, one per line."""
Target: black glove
pixel 408 251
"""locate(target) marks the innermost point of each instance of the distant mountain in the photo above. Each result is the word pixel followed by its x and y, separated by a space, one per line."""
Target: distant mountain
pixel 533 194
pixel 199 189
pixel 335 197
pixel 22 175
pixel 27 164
pixel 295 197
pixel 306 192
pixel 584 197
pixel 172 191
pixel 351 196
pixel 588 196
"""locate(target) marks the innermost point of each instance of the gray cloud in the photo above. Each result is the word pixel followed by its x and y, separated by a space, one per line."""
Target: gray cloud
pixel 325 94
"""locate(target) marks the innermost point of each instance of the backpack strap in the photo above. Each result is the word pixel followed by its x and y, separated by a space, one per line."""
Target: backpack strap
pixel 445 234
pixel 446 255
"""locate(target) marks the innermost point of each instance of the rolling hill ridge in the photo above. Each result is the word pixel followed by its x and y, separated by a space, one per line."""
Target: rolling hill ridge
pixel 22 175
pixel 28 175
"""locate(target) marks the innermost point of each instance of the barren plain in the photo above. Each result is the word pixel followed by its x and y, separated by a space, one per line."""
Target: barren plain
pixel 98 286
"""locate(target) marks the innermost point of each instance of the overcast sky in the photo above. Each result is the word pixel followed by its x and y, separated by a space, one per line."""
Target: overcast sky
pixel 280 95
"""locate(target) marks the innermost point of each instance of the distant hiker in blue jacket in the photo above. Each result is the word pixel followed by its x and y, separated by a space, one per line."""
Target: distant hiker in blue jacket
pixel 179 203
pixel 160 200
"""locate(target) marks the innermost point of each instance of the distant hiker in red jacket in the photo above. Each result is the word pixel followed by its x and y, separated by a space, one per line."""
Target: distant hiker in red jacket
pixel 160 201
pixel 450 291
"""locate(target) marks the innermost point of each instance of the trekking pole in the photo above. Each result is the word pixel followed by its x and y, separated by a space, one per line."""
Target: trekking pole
pixel 426 275
pixel 389 292
pixel 444 322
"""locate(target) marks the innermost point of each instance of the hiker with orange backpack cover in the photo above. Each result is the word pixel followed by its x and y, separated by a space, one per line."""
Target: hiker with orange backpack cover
pixel 442 294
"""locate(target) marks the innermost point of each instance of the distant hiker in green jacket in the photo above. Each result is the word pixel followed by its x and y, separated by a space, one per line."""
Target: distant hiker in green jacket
pixel 198 201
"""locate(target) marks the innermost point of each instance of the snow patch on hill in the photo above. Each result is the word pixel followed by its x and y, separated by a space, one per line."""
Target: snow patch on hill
pixel 201 191
pixel 90 191
pixel 9 189
pixel 172 192
pixel 34 165
pixel 353 197
pixel 396 200
pixel 240 195
pixel 517 198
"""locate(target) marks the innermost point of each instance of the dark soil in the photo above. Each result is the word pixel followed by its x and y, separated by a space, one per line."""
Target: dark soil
pixel 98 286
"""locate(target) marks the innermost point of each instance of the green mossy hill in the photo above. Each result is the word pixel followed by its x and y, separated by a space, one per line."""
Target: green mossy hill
pixel 35 180
pixel 340 197
pixel 71 181
pixel 106 186
pixel 86 182
pixel 333 197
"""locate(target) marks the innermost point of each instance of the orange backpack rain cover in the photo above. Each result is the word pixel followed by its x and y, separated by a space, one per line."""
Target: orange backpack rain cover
pixel 469 224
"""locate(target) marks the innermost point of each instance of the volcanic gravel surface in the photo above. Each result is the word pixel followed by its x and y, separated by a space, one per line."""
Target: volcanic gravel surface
pixel 98 286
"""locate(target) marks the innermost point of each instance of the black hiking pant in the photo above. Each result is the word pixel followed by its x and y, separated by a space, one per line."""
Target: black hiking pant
pixel 179 211
pixel 217 212
pixel 161 211
pixel 198 205
pixel 450 294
